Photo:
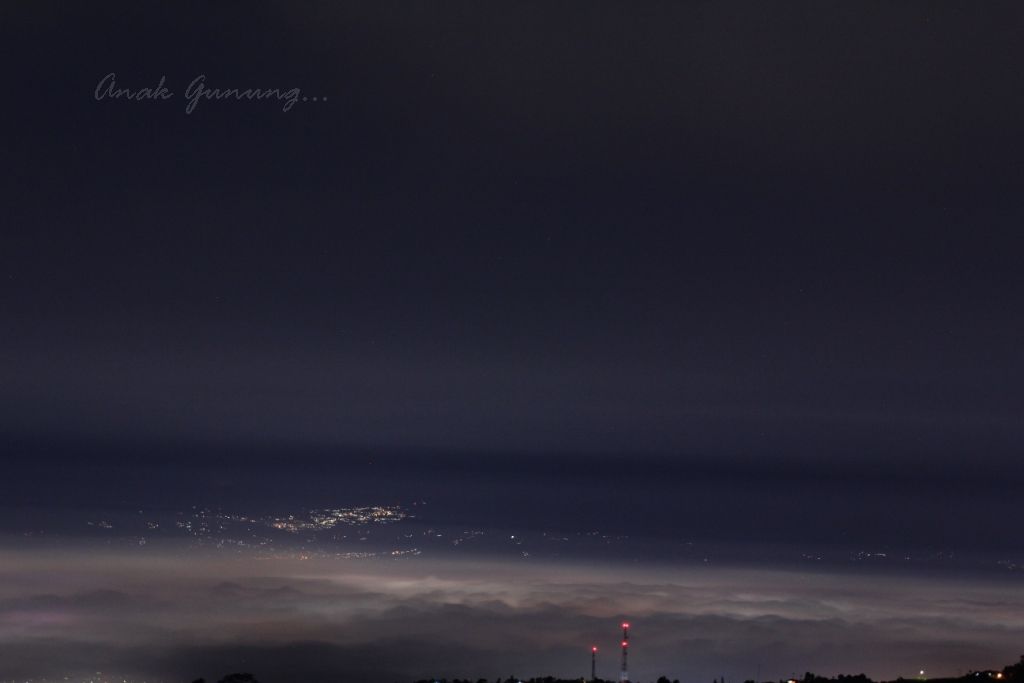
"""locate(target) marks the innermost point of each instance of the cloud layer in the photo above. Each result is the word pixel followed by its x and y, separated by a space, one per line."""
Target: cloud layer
pixel 169 615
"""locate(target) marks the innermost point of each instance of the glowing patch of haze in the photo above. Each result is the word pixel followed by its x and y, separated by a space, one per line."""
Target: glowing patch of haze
pixel 171 613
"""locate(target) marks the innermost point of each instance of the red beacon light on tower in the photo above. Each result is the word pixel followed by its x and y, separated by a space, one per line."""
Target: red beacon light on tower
pixel 624 674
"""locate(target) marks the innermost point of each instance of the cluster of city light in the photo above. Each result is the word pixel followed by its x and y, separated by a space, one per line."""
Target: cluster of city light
pixel 231 530
pixel 329 518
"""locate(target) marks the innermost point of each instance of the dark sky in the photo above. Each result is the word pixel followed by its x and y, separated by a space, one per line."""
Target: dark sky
pixel 717 258
pixel 673 229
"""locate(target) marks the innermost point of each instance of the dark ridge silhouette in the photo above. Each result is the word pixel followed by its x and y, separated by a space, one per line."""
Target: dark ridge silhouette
pixel 1013 673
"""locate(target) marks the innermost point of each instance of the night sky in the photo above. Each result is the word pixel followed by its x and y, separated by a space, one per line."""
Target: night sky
pixel 732 288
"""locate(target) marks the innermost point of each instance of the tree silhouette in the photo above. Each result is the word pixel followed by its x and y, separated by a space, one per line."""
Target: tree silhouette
pixel 238 678
pixel 1015 671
